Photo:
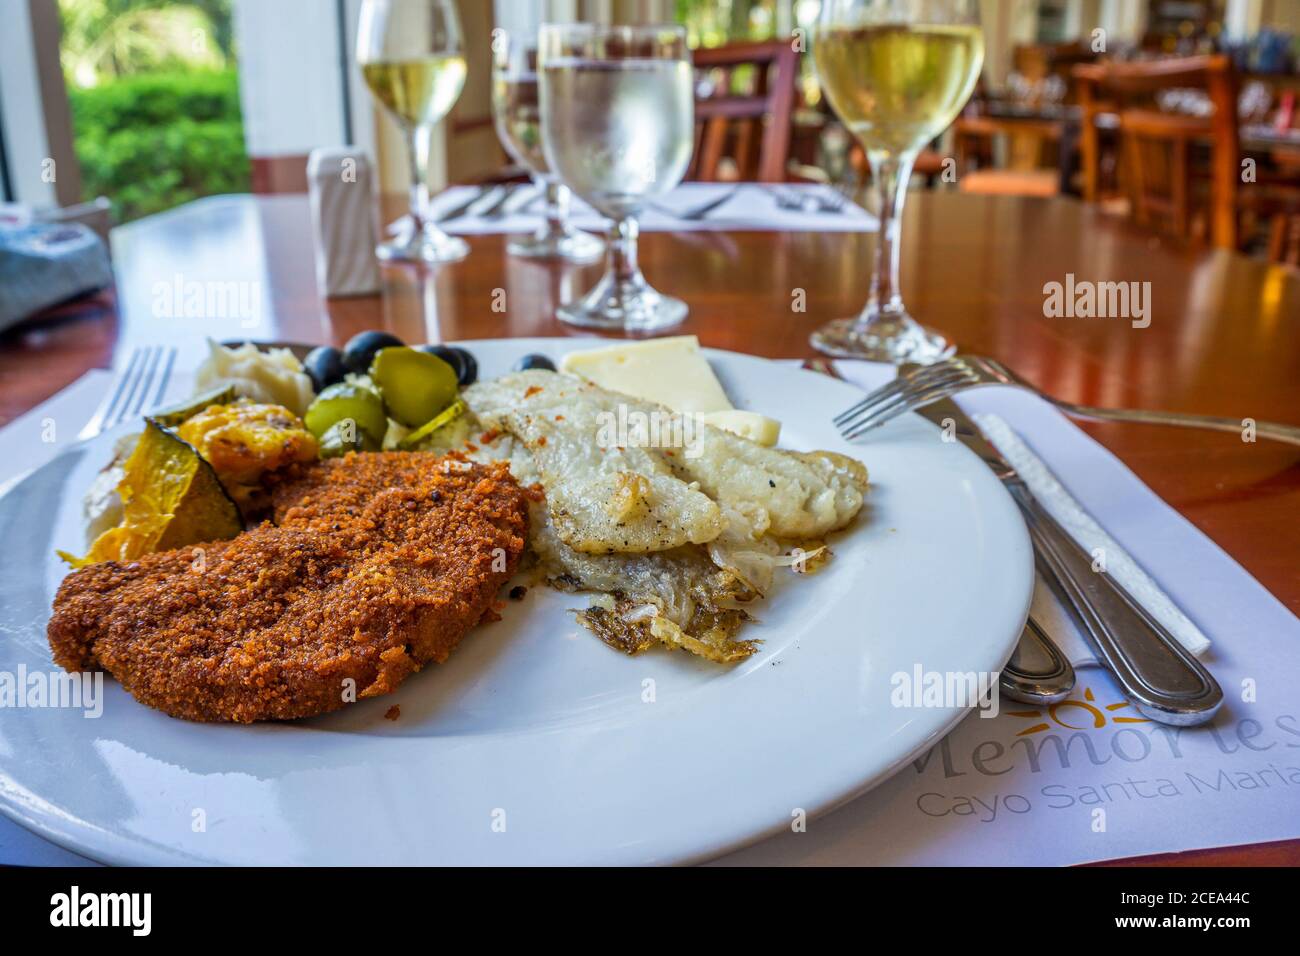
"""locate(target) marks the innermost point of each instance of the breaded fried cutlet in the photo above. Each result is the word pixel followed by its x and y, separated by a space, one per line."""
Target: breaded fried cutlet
pixel 341 484
pixel 382 564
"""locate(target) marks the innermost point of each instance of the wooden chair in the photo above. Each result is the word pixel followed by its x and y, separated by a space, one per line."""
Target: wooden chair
pixel 1158 153
pixel 1037 61
pixel 1033 145
pixel 1033 155
pixel 1035 183
pixel 1128 89
pixel 1284 239
pixel 752 129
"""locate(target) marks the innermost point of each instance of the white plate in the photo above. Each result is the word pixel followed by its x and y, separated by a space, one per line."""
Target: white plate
pixel 536 743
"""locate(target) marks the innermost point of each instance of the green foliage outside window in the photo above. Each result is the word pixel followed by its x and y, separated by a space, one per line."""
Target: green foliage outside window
pixel 155 140
pixel 155 101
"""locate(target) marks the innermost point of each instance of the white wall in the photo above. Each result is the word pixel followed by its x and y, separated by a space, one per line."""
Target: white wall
pixel 1006 24
pixel 1124 20
pixel 525 14
pixel 26 143
pixel 1242 18
pixel 363 107
pixel 290 84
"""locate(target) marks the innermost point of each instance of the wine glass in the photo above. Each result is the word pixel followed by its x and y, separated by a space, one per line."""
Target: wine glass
pixel 517 110
pixel 618 127
pixel 897 72
pixel 410 55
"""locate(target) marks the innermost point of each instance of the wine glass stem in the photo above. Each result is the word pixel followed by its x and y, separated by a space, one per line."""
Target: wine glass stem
pixel 622 249
pixel 889 177
pixel 557 206
pixel 417 151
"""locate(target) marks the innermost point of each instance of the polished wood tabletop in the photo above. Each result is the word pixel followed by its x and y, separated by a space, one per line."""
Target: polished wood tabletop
pixel 1223 337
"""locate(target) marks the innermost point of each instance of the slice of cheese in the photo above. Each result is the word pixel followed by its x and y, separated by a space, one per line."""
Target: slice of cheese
pixel 757 428
pixel 671 371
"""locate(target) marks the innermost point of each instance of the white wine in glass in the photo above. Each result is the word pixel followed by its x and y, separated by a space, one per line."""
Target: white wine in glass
pixel 618 127
pixel 417 92
pixel 897 72
pixel 516 105
pixel 410 55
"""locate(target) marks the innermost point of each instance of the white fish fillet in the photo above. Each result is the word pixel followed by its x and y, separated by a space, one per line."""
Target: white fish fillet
pixel 781 493
pixel 697 534
pixel 603 498
pixel 677 597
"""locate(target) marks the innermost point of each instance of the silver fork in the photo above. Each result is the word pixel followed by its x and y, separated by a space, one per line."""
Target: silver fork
pixel 139 389
pixel 929 383
pixel 829 200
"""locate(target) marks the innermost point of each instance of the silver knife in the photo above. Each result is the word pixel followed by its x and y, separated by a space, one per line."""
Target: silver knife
pixel 463 208
pixel 1162 679
pixel 496 208
pixel 1037 673
pixel 517 198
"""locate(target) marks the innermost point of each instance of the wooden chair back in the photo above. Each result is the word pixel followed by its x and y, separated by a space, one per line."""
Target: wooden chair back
pixel 1037 61
pixel 1126 89
pixel 1158 153
pixel 1284 239
pixel 752 127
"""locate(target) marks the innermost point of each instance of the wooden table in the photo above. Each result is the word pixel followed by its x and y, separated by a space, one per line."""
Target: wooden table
pixel 1224 337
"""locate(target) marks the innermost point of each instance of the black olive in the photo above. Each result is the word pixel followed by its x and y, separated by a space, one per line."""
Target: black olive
pixel 361 348
pixel 453 357
pixel 461 361
pixel 444 352
pixel 324 366
pixel 533 361
pixel 470 365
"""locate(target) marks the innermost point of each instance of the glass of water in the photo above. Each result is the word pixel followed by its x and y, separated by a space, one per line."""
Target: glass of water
pixel 618 127
pixel 517 110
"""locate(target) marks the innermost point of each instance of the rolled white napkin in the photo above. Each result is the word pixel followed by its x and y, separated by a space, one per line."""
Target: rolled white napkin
pixel 1093 538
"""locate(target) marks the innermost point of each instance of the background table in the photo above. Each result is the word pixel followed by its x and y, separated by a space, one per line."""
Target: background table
pixel 1224 337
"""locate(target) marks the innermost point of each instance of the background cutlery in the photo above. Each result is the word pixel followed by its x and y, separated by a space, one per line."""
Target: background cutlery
pixel 480 194
pixel 814 201
pixel 702 210
pixel 512 199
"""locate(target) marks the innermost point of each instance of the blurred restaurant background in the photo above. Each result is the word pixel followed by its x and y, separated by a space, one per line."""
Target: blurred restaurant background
pixel 1178 114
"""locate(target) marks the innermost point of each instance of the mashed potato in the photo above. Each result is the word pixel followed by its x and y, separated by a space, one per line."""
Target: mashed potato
pixel 273 377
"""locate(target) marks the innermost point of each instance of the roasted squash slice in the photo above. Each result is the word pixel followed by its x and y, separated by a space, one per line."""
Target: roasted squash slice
pixel 183 411
pixel 171 498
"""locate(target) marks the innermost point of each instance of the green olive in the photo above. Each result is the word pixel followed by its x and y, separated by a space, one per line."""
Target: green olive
pixel 347 400
pixel 416 385
pixel 344 436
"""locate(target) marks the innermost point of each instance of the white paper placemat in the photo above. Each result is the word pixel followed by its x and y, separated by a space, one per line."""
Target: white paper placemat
pixel 748 207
